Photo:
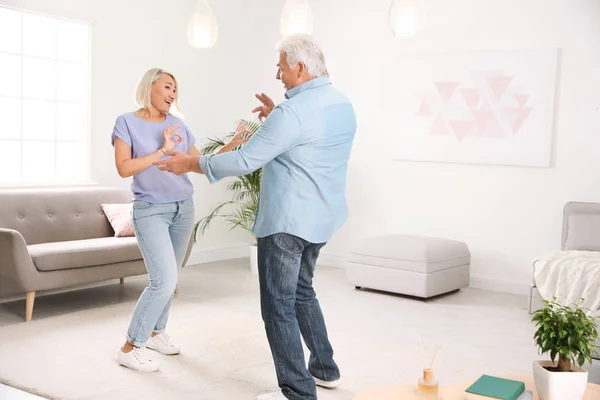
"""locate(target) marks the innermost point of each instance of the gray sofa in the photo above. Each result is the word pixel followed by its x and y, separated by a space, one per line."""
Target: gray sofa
pixel 570 208
pixel 60 238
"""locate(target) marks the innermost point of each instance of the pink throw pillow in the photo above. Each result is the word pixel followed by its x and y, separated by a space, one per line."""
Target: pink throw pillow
pixel 119 216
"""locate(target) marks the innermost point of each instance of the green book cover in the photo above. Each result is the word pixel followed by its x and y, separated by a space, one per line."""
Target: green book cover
pixel 498 388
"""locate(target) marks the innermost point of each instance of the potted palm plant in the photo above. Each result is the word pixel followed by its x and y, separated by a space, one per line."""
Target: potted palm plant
pixel 240 211
pixel 568 333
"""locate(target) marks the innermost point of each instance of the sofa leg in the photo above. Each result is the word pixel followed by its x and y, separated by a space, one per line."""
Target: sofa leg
pixel 177 289
pixel 30 299
pixel 121 281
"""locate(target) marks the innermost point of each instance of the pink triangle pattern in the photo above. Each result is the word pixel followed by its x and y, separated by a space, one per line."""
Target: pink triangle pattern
pixel 462 128
pixel 483 118
pixel 471 97
pixel 499 84
pixel 425 110
pixel 490 119
pixel 521 99
pixel 446 89
pixel 439 127
pixel 487 124
pixel 517 117
pixel 493 129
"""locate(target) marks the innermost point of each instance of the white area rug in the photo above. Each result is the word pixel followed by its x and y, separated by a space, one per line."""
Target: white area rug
pixel 216 320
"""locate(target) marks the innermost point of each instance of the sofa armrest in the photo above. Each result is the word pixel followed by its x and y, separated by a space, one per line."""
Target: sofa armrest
pixel 17 271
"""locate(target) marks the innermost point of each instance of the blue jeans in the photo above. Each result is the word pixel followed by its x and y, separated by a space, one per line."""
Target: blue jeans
pixel 289 305
pixel 163 233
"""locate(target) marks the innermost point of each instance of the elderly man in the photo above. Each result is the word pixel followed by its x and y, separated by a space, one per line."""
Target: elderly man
pixel 303 147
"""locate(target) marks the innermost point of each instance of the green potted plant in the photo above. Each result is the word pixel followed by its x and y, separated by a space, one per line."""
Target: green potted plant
pixel 568 333
pixel 241 210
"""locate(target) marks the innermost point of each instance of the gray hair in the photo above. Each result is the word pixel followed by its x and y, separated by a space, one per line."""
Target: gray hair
pixel 142 92
pixel 302 48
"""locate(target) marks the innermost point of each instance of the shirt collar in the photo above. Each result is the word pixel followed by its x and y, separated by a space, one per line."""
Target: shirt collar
pixel 313 83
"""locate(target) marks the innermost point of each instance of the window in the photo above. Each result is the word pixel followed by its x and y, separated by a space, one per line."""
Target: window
pixel 44 99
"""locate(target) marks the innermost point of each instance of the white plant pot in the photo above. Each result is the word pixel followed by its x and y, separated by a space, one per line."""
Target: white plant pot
pixel 559 385
pixel 253 259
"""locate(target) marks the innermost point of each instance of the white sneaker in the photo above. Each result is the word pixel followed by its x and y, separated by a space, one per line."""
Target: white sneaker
pixel 162 344
pixel 328 384
pixel 276 395
pixel 137 360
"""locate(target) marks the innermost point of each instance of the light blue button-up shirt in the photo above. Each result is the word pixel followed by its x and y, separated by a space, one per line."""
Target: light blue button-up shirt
pixel 303 147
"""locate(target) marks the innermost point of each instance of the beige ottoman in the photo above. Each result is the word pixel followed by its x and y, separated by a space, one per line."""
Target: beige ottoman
pixel 411 265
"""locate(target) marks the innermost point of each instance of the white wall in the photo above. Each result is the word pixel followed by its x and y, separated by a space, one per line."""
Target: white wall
pixel 507 215
pixel 216 86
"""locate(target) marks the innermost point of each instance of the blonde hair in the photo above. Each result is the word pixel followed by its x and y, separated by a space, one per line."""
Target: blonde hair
pixel 144 88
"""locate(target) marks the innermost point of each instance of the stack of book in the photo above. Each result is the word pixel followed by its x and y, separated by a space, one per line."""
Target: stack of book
pixel 490 387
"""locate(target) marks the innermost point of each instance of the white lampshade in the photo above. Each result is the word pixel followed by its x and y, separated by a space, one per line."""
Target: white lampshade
pixel 202 30
pixel 406 17
pixel 296 17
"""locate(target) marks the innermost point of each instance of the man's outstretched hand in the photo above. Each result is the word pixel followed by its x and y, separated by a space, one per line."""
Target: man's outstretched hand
pixel 179 163
pixel 264 110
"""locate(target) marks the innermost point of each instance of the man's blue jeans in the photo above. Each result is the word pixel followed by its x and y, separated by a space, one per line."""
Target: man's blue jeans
pixel 286 265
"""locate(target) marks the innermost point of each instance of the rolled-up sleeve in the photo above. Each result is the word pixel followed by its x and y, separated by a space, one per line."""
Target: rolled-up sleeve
pixel 279 133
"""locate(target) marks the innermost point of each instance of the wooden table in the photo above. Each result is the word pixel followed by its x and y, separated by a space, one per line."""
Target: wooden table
pixel 454 392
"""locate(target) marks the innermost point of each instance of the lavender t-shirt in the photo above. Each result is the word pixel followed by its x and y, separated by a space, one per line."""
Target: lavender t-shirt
pixel 144 137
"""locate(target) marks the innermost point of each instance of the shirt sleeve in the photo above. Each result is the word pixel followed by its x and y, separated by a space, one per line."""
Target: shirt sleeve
pixel 279 133
pixel 121 131
pixel 191 139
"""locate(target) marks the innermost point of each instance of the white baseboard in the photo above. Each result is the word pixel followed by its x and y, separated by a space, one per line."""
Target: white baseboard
pixel 201 256
pixel 494 285
pixel 332 260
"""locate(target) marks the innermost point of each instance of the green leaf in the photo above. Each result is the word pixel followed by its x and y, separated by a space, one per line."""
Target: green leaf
pixel 565 330
pixel 245 193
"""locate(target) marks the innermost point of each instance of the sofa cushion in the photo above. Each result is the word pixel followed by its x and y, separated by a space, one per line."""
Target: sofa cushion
pixel 84 253
pixel 583 233
pixel 119 216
